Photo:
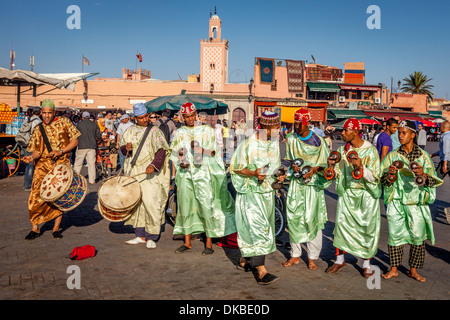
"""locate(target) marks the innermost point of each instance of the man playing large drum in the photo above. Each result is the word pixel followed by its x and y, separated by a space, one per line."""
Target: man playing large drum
pixel 148 216
pixel 63 137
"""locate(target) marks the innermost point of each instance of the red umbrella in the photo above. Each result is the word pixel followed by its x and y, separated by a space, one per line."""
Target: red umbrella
pixel 427 123
pixel 368 121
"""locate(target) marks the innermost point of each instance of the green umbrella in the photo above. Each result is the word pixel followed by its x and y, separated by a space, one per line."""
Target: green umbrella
pixel 174 103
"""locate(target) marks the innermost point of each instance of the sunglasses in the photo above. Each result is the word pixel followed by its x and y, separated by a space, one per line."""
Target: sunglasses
pixel 152 117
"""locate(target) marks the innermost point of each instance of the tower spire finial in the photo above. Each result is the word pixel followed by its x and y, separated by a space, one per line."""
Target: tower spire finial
pixel 215 10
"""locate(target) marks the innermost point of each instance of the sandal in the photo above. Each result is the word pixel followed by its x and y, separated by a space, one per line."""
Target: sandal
pixel 183 249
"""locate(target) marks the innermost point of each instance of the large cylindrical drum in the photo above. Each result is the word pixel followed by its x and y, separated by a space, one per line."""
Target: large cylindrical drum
pixel 117 197
pixel 63 187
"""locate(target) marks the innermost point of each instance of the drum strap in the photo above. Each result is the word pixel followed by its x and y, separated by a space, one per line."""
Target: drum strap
pixel 44 136
pixel 144 137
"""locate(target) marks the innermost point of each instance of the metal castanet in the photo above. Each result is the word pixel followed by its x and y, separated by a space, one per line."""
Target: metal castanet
pixel 199 152
pixel 278 173
pixel 357 173
pixel 263 171
pixel 419 179
pixel 181 156
pixel 304 171
pixel 399 164
pixel 329 173
pixel 298 162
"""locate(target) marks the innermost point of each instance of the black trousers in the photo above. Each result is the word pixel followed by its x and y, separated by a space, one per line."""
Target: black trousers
pixel 256 261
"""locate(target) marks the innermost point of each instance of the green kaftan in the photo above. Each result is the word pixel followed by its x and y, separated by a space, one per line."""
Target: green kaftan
pixel 255 203
pixel 149 213
pixel 204 203
pixel 408 212
pixel 306 210
pixel 357 225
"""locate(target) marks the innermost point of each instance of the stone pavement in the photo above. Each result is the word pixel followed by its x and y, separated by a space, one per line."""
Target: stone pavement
pixel 38 269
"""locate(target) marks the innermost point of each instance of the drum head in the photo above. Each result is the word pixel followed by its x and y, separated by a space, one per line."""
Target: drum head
pixel 121 195
pixel 56 182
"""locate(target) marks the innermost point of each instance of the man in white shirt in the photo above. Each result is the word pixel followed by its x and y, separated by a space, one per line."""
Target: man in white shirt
pixel 422 138
pixel 125 123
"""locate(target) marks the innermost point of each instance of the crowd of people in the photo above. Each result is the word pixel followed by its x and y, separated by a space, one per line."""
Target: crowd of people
pixel 191 153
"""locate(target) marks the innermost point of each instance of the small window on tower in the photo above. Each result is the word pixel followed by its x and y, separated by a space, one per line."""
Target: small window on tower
pixel 212 66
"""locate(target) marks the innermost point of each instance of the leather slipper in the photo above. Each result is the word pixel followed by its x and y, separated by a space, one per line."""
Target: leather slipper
pixel 183 249
pixel 207 251
pixel 32 235
pixel 267 279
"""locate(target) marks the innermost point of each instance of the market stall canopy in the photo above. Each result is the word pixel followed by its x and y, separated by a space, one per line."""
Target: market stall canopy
pixel 348 113
pixel 174 103
pixel 427 123
pixel 369 121
pixel 59 80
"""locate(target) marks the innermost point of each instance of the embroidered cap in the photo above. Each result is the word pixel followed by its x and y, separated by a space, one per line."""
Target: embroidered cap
pixel 303 116
pixel 188 108
pixel 408 124
pixel 353 124
pixel 269 118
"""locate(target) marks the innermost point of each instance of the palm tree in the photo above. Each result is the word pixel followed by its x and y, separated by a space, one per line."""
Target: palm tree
pixel 417 82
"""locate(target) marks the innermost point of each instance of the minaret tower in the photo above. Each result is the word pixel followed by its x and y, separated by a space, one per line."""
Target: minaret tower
pixel 214 57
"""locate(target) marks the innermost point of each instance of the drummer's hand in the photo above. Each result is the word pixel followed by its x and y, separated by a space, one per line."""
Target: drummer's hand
pixel 27 159
pixel 55 154
pixel 129 146
pixel 296 168
pixel 150 169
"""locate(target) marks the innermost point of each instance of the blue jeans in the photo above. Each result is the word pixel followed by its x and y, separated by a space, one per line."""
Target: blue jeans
pixel 29 171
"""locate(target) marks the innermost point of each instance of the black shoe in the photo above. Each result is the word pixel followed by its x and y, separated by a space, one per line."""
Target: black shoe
pixel 57 235
pixel 32 235
pixel 207 251
pixel 267 279
pixel 183 249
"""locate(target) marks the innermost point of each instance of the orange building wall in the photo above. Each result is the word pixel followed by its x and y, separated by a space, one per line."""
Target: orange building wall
pixel 414 102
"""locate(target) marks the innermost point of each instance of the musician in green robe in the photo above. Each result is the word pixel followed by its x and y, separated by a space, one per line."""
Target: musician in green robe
pixel 408 193
pixel 252 170
pixel 305 203
pixel 357 223
pixel 148 217
pixel 204 204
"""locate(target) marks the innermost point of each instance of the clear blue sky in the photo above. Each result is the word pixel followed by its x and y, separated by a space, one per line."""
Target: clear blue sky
pixel 414 36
